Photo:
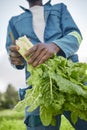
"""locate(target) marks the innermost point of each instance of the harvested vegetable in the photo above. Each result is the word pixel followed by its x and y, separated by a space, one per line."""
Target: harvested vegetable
pixel 24 44
pixel 57 86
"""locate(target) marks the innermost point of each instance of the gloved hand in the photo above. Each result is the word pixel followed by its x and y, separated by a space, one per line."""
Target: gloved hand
pixel 41 52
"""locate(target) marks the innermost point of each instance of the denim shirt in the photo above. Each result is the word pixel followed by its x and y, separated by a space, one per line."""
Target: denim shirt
pixel 60 29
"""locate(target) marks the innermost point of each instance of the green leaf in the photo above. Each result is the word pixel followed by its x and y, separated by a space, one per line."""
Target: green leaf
pixel 45 115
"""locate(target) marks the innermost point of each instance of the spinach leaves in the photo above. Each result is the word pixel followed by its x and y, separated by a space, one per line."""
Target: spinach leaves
pixel 57 86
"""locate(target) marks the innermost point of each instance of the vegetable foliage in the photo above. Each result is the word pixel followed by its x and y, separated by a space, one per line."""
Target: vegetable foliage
pixel 57 86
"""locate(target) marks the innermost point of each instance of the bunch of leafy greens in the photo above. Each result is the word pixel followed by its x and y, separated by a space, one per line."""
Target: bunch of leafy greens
pixel 57 86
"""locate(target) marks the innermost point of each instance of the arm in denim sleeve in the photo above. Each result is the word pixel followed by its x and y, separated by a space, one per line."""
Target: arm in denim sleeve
pixel 9 43
pixel 71 36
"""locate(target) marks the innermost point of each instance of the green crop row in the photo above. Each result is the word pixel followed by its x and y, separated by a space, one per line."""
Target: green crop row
pixel 9 120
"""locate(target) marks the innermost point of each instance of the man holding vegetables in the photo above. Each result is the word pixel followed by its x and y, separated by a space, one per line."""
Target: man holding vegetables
pixel 51 30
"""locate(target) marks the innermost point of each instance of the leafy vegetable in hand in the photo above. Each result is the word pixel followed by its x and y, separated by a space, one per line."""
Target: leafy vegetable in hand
pixel 57 86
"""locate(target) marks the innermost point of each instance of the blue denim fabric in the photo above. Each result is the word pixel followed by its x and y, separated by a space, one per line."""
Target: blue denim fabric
pixel 32 119
pixel 57 28
pixel 80 125
pixel 74 58
pixel 22 92
pixel 31 125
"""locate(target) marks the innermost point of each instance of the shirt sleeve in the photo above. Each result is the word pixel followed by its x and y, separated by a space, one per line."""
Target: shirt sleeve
pixel 71 36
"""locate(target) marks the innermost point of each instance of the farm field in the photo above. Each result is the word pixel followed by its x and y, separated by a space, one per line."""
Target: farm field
pixel 10 120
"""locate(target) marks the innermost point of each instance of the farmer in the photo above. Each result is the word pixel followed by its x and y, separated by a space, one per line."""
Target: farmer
pixel 52 30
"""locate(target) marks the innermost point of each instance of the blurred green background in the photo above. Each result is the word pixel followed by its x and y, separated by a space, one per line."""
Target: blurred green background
pixel 12 120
